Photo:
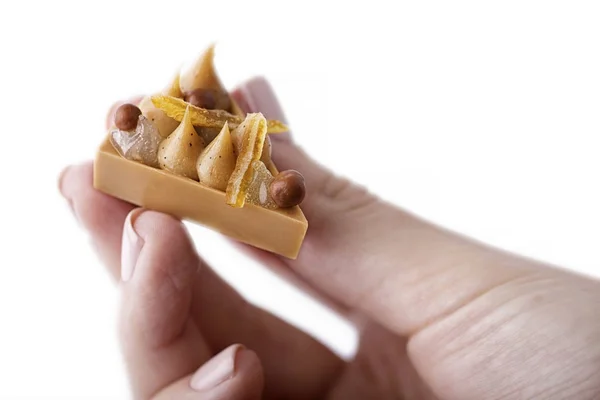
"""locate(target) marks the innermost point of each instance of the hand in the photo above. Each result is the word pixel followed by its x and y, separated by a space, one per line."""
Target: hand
pixel 441 317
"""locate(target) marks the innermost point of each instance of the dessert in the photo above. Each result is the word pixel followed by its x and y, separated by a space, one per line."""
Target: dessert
pixel 191 152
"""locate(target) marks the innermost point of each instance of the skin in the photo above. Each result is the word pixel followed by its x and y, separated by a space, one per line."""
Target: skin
pixel 441 316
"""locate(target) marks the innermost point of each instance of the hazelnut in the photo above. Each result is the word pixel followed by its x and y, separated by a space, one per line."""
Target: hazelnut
pixel 203 98
pixel 208 99
pixel 126 117
pixel 223 101
pixel 288 189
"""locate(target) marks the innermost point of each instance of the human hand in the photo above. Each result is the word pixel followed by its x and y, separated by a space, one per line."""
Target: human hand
pixel 440 316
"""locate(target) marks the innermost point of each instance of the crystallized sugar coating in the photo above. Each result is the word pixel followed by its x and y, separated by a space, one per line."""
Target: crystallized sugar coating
pixel 140 145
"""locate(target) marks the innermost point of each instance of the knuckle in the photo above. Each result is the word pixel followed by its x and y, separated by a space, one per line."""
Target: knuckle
pixel 345 195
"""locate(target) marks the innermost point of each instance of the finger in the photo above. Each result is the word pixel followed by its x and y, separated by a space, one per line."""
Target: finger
pixel 100 214
pixel 365 253
pixel 161 342
pixel 257 94
pixel 222 314
pixel 75 183
pixel 297 366
pixel 234 374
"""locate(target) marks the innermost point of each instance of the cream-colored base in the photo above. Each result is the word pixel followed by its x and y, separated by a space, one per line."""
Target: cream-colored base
pixel 278 231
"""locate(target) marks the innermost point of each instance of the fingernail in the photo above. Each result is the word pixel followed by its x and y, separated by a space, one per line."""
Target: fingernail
pixel 260 97
pixel 61 179
pixel 131 246
pixel 216 370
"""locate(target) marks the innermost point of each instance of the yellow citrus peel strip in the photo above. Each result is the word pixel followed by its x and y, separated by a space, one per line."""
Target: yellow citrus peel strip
pixel 175 108
pixel 254 134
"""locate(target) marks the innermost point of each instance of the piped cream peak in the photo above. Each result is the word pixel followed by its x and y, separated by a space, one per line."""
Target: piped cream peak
pixel 162 121
pixel 179 152
pixel 174 88
pixel 217 161
pixel 202 74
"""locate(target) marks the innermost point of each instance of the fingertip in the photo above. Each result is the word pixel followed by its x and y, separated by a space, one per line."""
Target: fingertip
pixel 61 178
pixel 158 264
pixel 72 175
pixel 98 213
pixel 92 208
pixel 218 369
pixel 234 373
pixel 161 227
pixel 167 250
pixel 257 95
pixel 131 245
pixel 248 364
pixel 61 187
pixel 247 360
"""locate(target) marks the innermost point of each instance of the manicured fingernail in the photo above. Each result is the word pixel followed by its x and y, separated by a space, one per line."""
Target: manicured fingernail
pixel 260 97
pixel 216 370
pixel 61 179
pixel 131 246
pixel 61 189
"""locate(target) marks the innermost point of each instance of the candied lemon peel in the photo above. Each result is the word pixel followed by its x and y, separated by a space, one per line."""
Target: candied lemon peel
pixel 254 131
pixel 175 108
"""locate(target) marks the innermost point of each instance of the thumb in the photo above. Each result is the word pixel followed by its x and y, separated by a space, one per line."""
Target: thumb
pixel 369 255
pixel 160 341
pixel 233 374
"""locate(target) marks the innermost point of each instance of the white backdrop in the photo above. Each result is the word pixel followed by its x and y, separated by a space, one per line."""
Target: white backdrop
pixel 481 116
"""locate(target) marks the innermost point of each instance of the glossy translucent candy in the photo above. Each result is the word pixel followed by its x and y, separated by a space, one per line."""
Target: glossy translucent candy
pixel 140 145
pixel 258 191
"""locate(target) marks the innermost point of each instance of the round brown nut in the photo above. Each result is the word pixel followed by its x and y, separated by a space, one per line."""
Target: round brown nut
pixel 203 98
pixel 288 189
pixel 223 101
pixel 209 99
pixel 126 117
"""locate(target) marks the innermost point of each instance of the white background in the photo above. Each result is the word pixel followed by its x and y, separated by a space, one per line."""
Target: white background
pixel 481 116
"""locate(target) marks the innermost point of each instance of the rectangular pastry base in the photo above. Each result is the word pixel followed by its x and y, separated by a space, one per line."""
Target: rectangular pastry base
pixel 279 231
